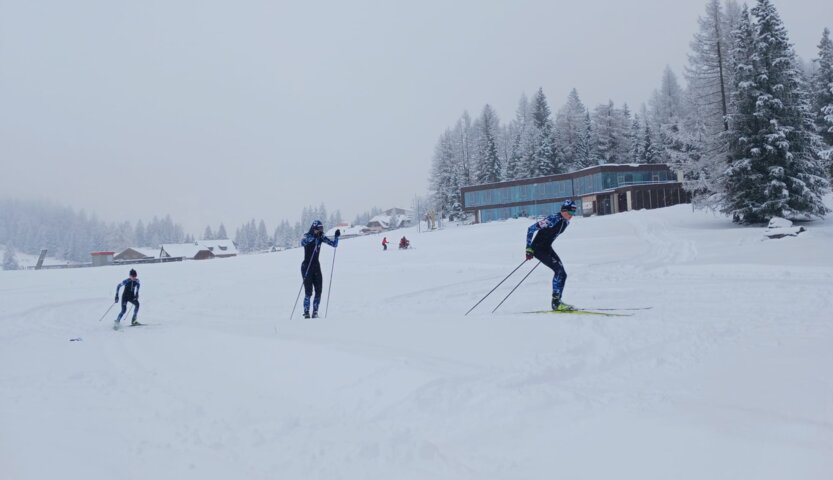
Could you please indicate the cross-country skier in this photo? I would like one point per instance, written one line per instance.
(548, 229)
(131, 294)
(385, 243)
(310, 268)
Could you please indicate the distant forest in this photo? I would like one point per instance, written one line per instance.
(29, 226)
(751, 130)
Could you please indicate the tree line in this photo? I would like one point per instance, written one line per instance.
(254, 236)
(751, 130)
(29, 226)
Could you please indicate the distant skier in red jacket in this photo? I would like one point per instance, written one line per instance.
(385, 243)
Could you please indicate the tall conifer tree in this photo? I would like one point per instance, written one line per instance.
(822, 96)
(544, 160)
(774, 168)
(488, 162)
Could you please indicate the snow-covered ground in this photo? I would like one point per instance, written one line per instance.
(728, 376)
(25, 260)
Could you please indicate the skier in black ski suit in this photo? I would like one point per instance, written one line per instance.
(541, 248)
(310, 268)
(131, 294)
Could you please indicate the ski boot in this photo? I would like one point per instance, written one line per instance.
(306, 313)
(559, 306)
(134, 322)
(116, 324)
(315, 314)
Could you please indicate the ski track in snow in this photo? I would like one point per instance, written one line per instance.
(727, 376)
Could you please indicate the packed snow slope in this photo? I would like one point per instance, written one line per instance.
(728, 376)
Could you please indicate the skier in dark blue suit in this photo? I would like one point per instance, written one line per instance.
(131, 294)
(548, 229)
(310, 268)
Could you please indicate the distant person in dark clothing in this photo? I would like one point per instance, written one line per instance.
(131, 294)
(310, 268)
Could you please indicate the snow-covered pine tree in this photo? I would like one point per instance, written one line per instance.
(221, 233)
(740, 187)
(208, 234)
(464, 150)
(635, 139)
(774, 168)
(696, 151)
(139, 233)
(585, 148)
(334, 219)
(262, 237)
(624, 122)
(10, 258)
(649, 152)
(521, 133)
(544, 158)
(283, 234)
(121, 236)
(487, 160)
(444, 183)
(666, 104)
(609, 132)
(569, 126)
(241, 239)
(666, 109)
(321, 214)
(822, 97)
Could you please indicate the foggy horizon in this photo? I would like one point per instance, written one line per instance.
(217, 113)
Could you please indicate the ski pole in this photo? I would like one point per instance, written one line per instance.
(302, 282)
(108, 311)
(492, 290)
(330, 286)
(516, 286)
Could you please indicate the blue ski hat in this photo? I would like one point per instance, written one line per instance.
(316, 225)
(569, 206)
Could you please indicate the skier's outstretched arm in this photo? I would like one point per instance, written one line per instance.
(332, 243)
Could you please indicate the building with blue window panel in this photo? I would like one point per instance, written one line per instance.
(599, 190)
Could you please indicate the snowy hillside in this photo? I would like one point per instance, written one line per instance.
(26, 260)
(728, 376)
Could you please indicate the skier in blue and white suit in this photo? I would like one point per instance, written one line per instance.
(310, 268)
(131, 294)
(548, 229)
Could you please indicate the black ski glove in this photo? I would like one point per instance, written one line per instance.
(338, 232)
(117, 299)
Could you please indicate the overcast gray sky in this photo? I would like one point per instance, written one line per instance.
(224, 111)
